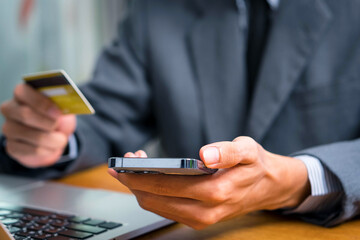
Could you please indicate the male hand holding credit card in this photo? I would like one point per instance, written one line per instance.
(40, 118)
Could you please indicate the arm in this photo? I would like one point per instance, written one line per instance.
(342, 160)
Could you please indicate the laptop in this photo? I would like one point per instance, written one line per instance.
(35, 209)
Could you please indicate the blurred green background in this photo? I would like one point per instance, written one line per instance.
(39, 35)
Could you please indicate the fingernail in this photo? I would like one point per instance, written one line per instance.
(211, 155)
(54, 112)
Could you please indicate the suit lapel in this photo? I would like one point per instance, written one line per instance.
(297, 29)
(217, 45)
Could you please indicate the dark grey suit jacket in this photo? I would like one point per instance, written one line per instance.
(177, 71)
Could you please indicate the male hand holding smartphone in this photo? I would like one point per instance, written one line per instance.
(249, 179)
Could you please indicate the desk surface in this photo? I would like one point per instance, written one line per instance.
(253, 226)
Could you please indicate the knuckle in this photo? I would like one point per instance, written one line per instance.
(206, 219)
(41, 122)
(251, 142)
(4, 108)
(57, 141)
(25, 113)
(44, 104)
(38, 151)
(238, 139)
(49, 139)
(220, 192)
(62, 140)
(40, 138)
(245, 139)
(248, 147)
(19, 91)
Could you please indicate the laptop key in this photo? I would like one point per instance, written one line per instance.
(20, 238)
(52, 230)
(59, 223)
(75, 234)
(26, 233)
(9, 221)
(42, 236)
(36, 227)
(13, 230)
(36, 212)
(44, 221)
(15, 215)
(22, 224)
(62, 216)
(4, 212)
(78, 219)
(60, 238)
(94, 222)
(86, 228)
(29, 218)
(110, 225)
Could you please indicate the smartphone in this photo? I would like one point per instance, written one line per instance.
(177, 166)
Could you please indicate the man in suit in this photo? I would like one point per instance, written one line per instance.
(283, 76)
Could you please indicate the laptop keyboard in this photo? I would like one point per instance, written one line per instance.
(32, 224)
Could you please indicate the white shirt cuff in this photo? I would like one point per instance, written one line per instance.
(73, 150)
(325, 187)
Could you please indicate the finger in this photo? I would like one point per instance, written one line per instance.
(129, 154)
(112, 172)
(141, 154)
(25, 94)
(212, 188)
(66, 124)
(187, 221)
(242, 150)
(149, 206)
(31, 156)
(25, 115)
(37, 138)
(191, 212)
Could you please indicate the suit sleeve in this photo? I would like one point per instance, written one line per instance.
(121, 96)
(343, 160)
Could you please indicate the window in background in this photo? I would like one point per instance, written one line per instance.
(39, 35)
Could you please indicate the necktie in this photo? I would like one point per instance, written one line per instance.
(259, 24)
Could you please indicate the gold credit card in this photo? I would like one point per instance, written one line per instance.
(59, 87)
